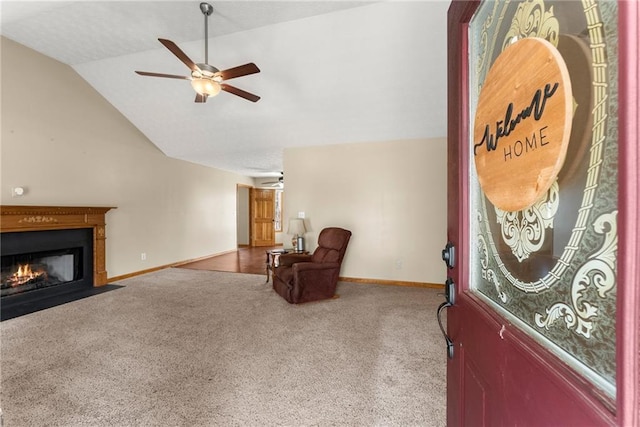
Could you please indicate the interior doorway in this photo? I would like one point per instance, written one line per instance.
(244, 215)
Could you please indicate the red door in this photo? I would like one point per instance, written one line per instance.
(546, 312)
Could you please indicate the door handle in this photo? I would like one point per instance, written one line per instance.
(449, 255)
(450, 294)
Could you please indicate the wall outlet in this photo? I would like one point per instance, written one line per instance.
(399, 264)
(143, 256)
(300, 214)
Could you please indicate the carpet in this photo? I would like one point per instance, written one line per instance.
(182, 347)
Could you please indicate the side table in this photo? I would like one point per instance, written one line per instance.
(273, 257)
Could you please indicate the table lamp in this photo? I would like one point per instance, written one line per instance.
(297, 228)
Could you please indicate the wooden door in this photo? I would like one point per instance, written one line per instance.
(262, 217)
(545, 316)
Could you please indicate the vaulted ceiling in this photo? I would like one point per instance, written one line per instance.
(331, 71)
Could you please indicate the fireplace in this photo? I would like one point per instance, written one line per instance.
(49, 251)
(39, 261)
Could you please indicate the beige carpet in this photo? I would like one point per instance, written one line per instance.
(185, 347)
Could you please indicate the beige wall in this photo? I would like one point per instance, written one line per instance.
(391, 195)
(68, 146)
(243, 216)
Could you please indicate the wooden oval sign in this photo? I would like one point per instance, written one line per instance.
(522, 124)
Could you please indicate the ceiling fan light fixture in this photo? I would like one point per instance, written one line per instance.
(205, 86)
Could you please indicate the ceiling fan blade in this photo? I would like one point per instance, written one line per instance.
(180, 54)
(241, 93)
(201, 98)
(169, 76)
(239, 71)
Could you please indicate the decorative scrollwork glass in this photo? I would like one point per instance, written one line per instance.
(551, 268)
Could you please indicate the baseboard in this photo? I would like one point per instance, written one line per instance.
(137, 273)
(392, 282)
(162, 267)
(343, 279)
(179, 263)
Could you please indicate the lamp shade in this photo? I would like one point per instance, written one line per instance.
(205, 86)
(296, 226)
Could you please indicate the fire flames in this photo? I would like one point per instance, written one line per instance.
(24, 275)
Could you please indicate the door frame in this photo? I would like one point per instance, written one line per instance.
(627, 402)
(628, 315)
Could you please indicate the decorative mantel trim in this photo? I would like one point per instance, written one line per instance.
(36, 218)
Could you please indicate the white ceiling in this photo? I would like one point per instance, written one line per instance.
(331, 71)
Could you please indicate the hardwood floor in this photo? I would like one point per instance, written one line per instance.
(244, 260)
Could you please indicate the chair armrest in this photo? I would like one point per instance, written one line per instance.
(313, 271)
(301, 267)
(287, 260)
(314, 280)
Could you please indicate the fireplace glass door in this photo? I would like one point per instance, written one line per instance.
(48, 262)
(37, 270)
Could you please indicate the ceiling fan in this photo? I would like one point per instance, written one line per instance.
(277, 183)
(206, 79)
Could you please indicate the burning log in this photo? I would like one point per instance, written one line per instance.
(25, 278)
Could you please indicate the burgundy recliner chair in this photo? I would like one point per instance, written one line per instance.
(303, 278)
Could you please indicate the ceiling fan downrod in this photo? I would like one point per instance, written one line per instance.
(207, 10)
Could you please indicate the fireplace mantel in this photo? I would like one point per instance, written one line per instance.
(35, 218)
